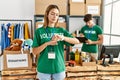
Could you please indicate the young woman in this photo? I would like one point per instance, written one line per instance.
(49, 43)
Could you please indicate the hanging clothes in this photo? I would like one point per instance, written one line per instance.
(16, 30)
(21, 33)
(9, 32)
(0, 40)
(3, 37)
(26, 35)
(0, 34)
(12, 32)
(7, 38)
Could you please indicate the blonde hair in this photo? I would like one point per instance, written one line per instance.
(50, 7)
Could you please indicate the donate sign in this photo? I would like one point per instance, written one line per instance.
(17, 60)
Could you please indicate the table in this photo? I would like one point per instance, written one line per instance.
(18, 74)
(111, 72)
(98, 72)
(81, 73)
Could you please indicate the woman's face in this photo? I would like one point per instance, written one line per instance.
(53, 15)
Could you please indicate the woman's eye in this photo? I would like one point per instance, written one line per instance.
(52, 14)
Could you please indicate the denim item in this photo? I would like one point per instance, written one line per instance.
(56, 76)
(16, 31)
(0, 34)
(3, 37)
(0, 38)
(21, 33)
(7, 38)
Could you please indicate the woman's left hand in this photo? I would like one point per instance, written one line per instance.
(57, 37)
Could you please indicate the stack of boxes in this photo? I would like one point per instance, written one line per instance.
(82, 7)
(77, 7)
(93, 7)
(41, 5)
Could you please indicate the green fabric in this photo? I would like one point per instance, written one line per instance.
(92, 34)
(44, 64)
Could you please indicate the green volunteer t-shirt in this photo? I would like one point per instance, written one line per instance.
(45, 65)
(92, 34)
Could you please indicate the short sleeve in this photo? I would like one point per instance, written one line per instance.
(36, 39)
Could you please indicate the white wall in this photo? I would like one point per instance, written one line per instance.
(17, 9)
(75, 24)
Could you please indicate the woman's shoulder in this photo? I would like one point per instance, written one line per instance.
(60, 28)
(39, 29)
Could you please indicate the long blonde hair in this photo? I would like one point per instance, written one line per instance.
(46, 21)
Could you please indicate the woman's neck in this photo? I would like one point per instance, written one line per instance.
(51, 25)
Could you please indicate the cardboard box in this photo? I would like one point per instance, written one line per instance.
(60, 24)
(41, 5)
(88, 63)
(93, 1)
(76, 1)
(91, 63)
(77, 9)
(93, 9)
(13, 60)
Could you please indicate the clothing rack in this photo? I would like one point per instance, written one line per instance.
(22, 21)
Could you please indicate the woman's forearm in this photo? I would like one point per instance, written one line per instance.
(71, 40)
(38, 50)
